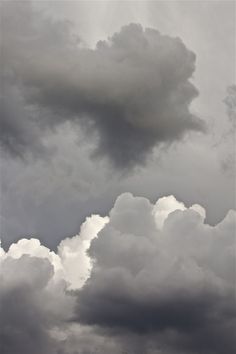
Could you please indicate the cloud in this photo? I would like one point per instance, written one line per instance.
(150, 278)
(30, 305)
(73, 251)
(25, 34)
(36, 305)
(132, 92)
(18, 129)
(171, 278)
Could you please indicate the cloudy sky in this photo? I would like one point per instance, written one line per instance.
(118, 196)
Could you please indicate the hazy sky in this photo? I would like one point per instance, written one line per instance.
(134, 100)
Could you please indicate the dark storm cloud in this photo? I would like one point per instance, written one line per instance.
(175, 283)
(19, 133)
(132, 91)
(31, 305)
(162, 281)
(23, 325)
(202, 323)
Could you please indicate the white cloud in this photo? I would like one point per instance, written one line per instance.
(73, 251)
(163, 207)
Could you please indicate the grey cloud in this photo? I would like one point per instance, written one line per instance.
(163, 281)
(175, 283)
(18, 128)
(51, 198)
(23, 324)
(24, 34)
(132, 91)
(30, 306)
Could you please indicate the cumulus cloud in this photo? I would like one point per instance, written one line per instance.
(73, 252)
(133, 91)
(31, 304)
(147, 279)
(36, 305)
(171, 279)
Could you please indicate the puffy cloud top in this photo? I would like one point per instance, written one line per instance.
(147, 279)
(161, 271)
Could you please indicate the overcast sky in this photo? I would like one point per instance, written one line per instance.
(50, 193)
(106, 108)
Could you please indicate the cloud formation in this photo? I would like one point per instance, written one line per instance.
(35, 297)
(156, 279)
(174, 280)
(26, 316)
(132, 92)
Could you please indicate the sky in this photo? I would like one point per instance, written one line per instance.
(117, 172)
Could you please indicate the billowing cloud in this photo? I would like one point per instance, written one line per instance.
(147, 279)
(31, 305)
(132, 92)
(36, 304)
(172, 278)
